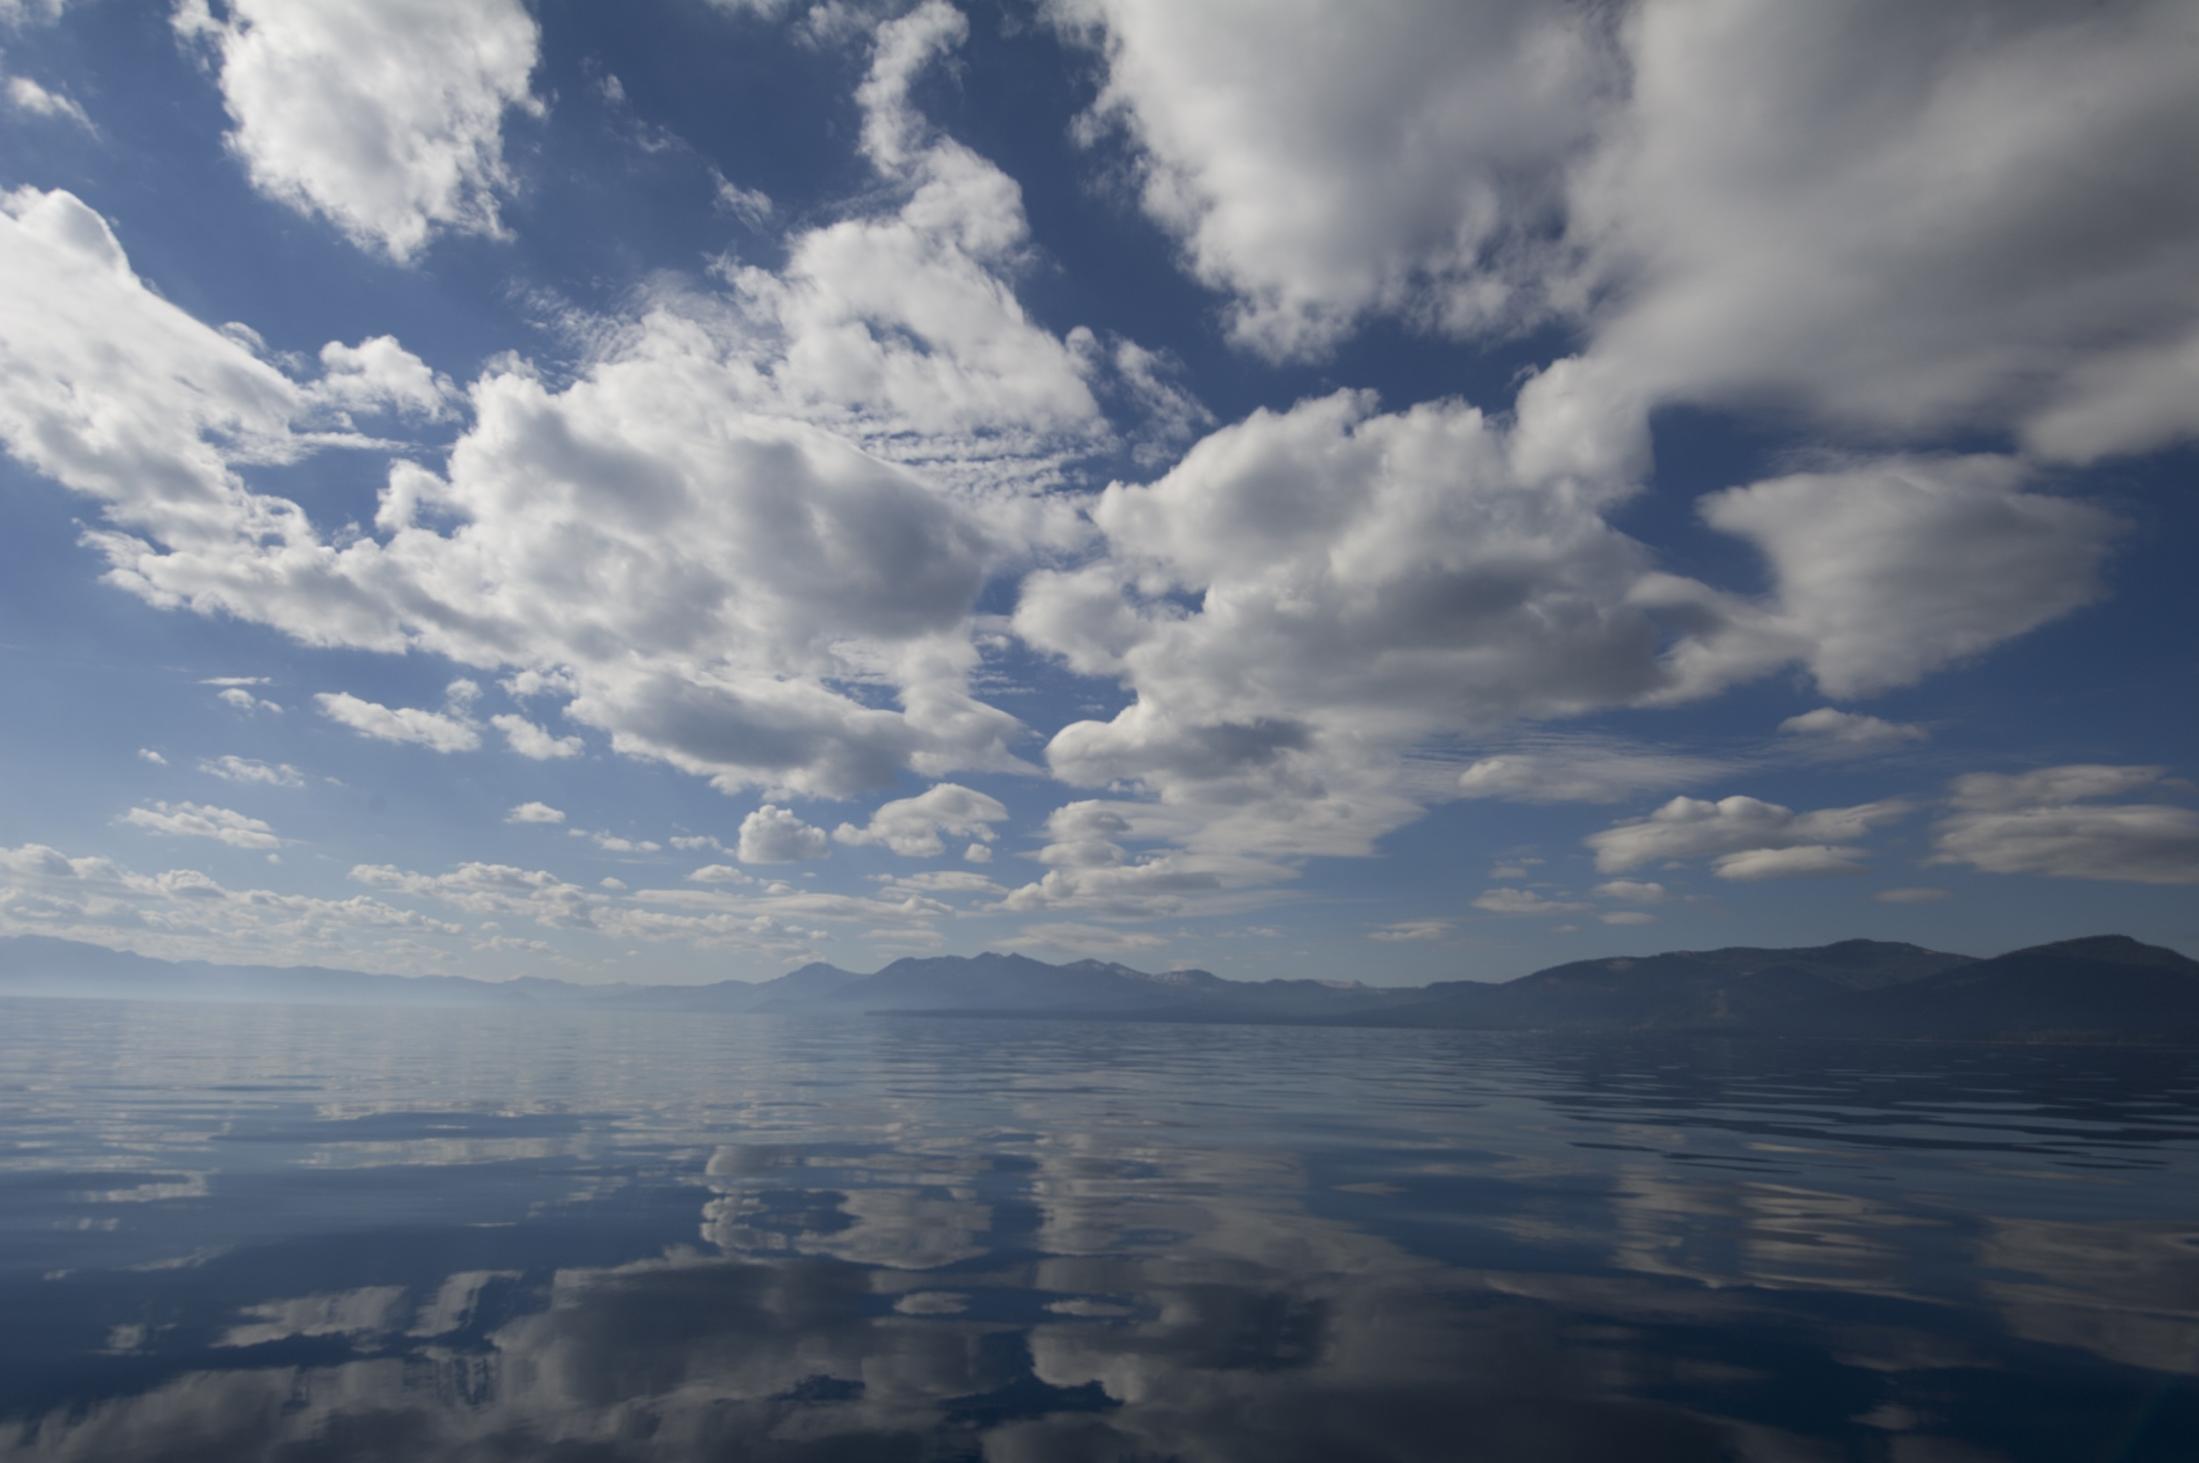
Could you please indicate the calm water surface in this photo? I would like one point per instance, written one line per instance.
(285, 1233)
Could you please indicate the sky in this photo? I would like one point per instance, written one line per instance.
(1395, 491)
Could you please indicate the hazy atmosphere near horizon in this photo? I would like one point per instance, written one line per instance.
(670, 492)
(1099, 731)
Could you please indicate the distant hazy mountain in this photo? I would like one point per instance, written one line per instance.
(33, 965)
(2105, 989)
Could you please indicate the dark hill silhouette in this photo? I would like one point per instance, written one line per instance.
(1738, 987)
(2106, 987)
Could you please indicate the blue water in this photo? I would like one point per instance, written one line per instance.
(289, 1233)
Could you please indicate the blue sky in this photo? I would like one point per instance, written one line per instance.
(1395, 492)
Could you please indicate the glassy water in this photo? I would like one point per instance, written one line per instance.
(284, 1233)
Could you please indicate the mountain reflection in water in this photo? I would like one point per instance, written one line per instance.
(333, 1234)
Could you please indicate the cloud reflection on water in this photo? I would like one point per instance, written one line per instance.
(929, 1240)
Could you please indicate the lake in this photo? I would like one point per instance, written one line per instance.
(240, 1233)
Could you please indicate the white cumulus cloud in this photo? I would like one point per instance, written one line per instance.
(774, 835)
(915, 826)
(717, 480)
(379, 374)
(385, 119)
(1322, 164)
(1910, 232)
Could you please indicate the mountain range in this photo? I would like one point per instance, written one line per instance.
(2107, 988)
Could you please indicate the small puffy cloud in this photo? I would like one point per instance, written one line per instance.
(695, 842)
(28, 96)
(1805, 861)
(1631, 891)
(1628, 917)
(233, 680)
(380, 375)
(250, 770)
(535, 813)
(147, 754)
(1695, 828)
(977, 853)
(616, 842)
(430, 729)
(1413, 931)
(773, 835)
(2052, 822)
(914, 826)
(385, 119)
(531, 741)
(202, 820)
(1523, 901)
(1911, 894)
(244, 701)
(720, 874)
(1829, 732)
